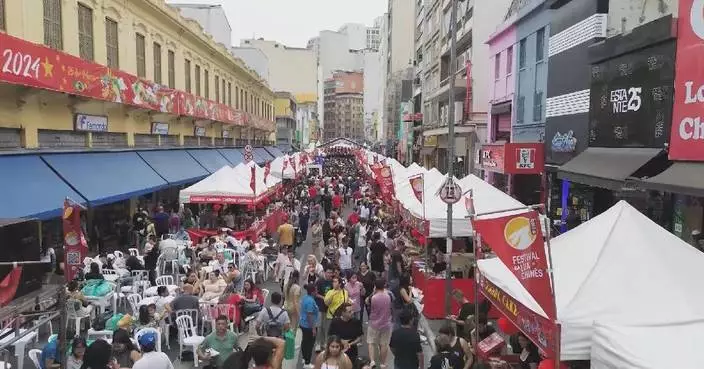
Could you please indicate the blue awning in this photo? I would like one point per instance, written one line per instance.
(286, 148)
(274, 151)
(30, 189)
(103, 178)
(175, 166)
(261, 156)
(210, 159)
(234, 156)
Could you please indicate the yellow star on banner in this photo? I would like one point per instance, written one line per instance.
(48, 68)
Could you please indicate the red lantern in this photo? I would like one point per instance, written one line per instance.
(507, 326)
(550, 364)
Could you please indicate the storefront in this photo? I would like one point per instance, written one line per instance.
(427, 152)
(518, 169)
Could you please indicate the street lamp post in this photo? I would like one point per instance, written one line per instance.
(451, 149)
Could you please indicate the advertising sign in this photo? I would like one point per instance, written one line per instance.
(160, 128)
(492, 158)
(513, 158)
(91, 123)
(687, 135)
(75, 245)
(199, 131)
(631, 98)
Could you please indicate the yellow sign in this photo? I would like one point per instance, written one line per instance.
(430, 141)
(518, 233)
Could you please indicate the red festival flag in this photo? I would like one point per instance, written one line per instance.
(252, 180)
(292, 160)
(469, 203)
(518, 241)
(418, 184)
(267, 170)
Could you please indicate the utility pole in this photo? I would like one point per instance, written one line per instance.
(451, 149)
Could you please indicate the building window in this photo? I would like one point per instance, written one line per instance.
(237, 97)
(85, 32)
(171, 68)
(538, 106)
(246, 103)
(217, 88)
(141, 56)
(187, 70)
(53, 30)
(540, 45)
(206, 84)
(497, 66)
(223, 91)
(112, 44)
(520, 109)
(229, 94)
(2, 15)
(198, 80)
(509, 60)
(522, 54)
(157, 63)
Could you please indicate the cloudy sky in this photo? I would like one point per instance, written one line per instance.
(293, 22)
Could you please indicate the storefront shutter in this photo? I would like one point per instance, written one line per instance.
(109, 139)
(146, 140)
(10, 138)
(169, 140)
(62, 139)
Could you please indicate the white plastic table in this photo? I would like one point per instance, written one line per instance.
(103, 302)
(19, 345)
(152, 291)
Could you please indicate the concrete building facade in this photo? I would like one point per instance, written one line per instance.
(307, 119)
(373, 97)
(211, 17)
(344, 106)
(290, 69)
(285, 109)
(255, 59)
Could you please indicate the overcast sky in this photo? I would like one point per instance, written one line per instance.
(293, 22)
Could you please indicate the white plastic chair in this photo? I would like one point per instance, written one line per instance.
(133, 251)
(165, 280)
(77, 315)
(134, 300)
(45, 305)
(187, 336)
(34, 355)
(142, 331)
(92, 334)
(118, 254)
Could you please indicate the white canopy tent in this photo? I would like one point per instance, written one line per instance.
(225, 183)
(277, 168)
(622, 268)
(244, 171)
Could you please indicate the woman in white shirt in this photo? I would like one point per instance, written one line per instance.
(214, 286)
(345, 259)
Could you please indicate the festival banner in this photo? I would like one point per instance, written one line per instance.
(292, 160)
(540, 330)
(518, 241)
(267, 170)
(469, 202)
(252, 180)
(75, 245)
(386, 182)
(418, 184)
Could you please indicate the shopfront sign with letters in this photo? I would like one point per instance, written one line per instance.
(492, 158)
(513, 158)
(563, 142)
(225, 133)
(91, 123)
(159, 128)
(687, 134)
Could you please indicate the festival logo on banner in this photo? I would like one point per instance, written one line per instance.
(417, 184)
(518, 241)
(687, 135)
(75, 245)
(386, 182)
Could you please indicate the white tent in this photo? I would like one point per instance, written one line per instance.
(277, 168)
(225, 185)
(619, 267)
(244, 172)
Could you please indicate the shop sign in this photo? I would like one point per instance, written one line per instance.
(631, 98)
(199, 131)
(687, 134)
(564, 142)
(430, 141)
(492, 158)
(513, 158)
(225, 133)
(159, 128)
(91, 123)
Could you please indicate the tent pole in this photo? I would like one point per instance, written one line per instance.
(546, 221)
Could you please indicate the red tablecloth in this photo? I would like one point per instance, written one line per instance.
(270, 224)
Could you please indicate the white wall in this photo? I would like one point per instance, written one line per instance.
(290, 69)
(356, 35)
(488, 16)
(211, 17)
(402, 28)
(255, 59)
(373, 82)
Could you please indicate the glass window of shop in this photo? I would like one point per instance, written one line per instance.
(655, 205)
(687, 216)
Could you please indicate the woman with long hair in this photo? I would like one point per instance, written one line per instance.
(292, 297)
(146, 319)
(214, 286)
(123, 349)
(99, 356)
(333, 356)
(312, 270)
(355, 290)
(78, 349)
(252, 299)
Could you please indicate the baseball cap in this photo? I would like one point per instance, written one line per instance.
(147, 339)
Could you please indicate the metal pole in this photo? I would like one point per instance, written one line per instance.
(451, 149)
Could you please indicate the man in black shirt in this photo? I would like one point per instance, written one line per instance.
(405, 344)
(466, 310)
(349, 329)
(322, 286)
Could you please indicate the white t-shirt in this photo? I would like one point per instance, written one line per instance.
(288, 267)
(153, 360)
(345, 257)
(362, 238)
(364, 212)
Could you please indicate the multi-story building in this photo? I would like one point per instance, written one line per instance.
(344, 106)
(476, 20)
(307, 119)
(211, 17)
(255, 59)
(373, 97)
(285, 112)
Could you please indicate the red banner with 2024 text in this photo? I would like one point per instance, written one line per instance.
(518, 241)
(29, 64)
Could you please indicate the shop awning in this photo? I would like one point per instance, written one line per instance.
(103, 178)
(210, 159)
(274, 151)
(234, 156)
(261, 156)
(175, 166)
(606, 167)
(285, 148)
(30, 189)
(682, 177)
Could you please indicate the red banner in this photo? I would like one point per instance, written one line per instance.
(687, 135)
(29, 64)
(540, 330)
(75, 245)
(518, 241)
(9, 285)
(267, 170)
(418, 185)
(386, 182)
(252, 180)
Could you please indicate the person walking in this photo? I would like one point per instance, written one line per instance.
(310, 315)
(349, 329)
(292, 299)
(405, 344)
(380, 322)
(334, 298)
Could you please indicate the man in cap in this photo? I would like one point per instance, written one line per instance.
(151, 358)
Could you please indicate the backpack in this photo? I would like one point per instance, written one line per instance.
(273, 327)
(101, 320)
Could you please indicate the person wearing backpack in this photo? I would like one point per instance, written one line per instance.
(273, 320)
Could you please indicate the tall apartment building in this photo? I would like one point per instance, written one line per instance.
(285, 112)
(476, 20)
(344, 106)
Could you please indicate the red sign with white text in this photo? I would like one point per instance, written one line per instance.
(386, 182)
(687, 135)
(75, 245)
(513, 158)
(518, 241)
(29, 64)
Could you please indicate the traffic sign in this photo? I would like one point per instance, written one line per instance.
(248, 157)
(450, 192)
(248, 149)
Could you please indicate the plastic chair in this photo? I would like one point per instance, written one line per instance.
(34, 355)
(165, 280)
(140, 281)
(133, 251)
(118, 254)
(76, 313)
(92, 334)
(208, 312)
(134, 300)
(142, 331)
(187, 336)
(45, 305)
